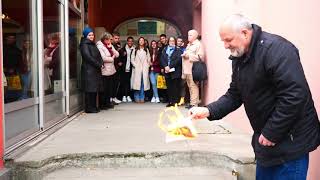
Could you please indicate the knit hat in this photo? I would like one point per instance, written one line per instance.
(86, 31)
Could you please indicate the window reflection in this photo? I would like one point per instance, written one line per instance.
(76, 4)
(18, 65)
(74, 53)
(51, 62)
(12, 64)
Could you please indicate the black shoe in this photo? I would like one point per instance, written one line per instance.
(92, 111)
(109, 106)
(114, 103)
(169, 105)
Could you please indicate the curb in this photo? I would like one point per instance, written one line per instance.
(36, 170)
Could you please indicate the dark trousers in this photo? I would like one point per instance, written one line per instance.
(185, 91)
(116, 84)
(125, 83)
(174, 89)
(295, 169)
(108, 83)
(90, 101)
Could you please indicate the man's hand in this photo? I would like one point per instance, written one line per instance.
(167, 69)
(265, 142)
(199, 112)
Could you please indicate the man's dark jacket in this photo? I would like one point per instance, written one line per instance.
(270, 82)
(123, 54)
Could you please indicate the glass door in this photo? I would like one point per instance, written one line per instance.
(75, 33)
(20, 69)
(53, 62)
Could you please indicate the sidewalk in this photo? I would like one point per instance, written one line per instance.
(128, 137)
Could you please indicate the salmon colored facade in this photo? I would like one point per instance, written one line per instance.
(298, 21)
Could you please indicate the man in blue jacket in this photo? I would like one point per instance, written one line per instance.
(268, 78)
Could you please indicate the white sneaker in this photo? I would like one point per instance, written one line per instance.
(124, 99)
(157, 100)
(129, 99)
(116, 100)
(153, 100)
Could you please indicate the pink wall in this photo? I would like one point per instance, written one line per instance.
(197, 15)
(296, 20)
(219, 68)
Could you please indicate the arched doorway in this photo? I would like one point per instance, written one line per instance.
(148, 27)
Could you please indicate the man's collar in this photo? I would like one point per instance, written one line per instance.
(196, 41)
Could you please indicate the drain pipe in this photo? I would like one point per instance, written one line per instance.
(236, 174)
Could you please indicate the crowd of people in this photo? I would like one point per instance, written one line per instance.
(113, 73)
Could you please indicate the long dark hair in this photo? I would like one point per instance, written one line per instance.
(144, 45)
(175, 40)
(151, 49)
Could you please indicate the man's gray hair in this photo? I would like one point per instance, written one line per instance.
(194, 31)
(238, 22)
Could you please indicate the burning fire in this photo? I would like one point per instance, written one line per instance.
(175, 125)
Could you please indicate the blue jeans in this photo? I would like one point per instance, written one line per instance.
(26, 79)
(291, 170)
(139, 95)
(153, 79)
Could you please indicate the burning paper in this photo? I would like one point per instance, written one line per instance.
(176, 126)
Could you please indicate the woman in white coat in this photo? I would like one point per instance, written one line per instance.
(140, 60)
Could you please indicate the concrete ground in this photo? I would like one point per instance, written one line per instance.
(191, 173)
(126, 143)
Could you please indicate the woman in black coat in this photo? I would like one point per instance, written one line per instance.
(90, 70)
(171, 61)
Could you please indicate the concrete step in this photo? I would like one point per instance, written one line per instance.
(186, 173)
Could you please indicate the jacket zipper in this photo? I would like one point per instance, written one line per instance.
(291, 137)
(238, 74)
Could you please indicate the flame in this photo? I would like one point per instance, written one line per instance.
(175, 125)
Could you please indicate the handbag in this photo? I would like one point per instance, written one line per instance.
(199, 70)
(14, 82)
(161, 82)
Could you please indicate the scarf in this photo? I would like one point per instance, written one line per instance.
(169, 52)
(110, 50)
(129, 50)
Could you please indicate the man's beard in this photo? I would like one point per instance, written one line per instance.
(237, 52)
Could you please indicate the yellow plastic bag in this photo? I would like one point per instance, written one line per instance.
(161, 82)
(14, 82)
